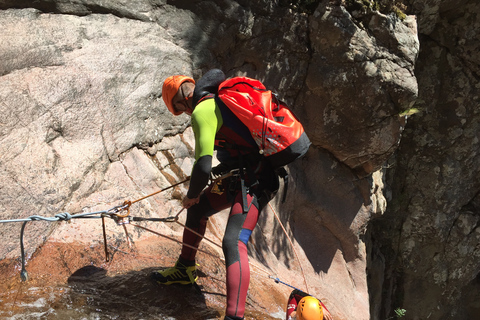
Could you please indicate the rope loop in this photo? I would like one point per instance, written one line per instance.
(64, 216)
(126, 206)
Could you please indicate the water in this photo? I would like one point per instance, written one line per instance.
(73, 282)
(91, 295)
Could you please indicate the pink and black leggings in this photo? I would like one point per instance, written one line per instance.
(237, 233)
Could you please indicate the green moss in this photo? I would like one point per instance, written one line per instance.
(401, 15)
(409, 112)
(399, 313)
(364, 6)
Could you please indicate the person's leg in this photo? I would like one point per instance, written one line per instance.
(239, 228)
(291, 305)
(184, 271)
(197, 218)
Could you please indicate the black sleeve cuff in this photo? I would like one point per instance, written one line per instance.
(200, 175)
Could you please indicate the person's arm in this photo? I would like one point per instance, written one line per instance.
(199, 177)
(295, 297)
(291, 307)
(205, 123)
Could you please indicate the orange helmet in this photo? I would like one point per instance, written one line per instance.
(170, 88)
(309, 308)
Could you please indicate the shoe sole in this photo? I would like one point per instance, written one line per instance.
(172, 282)
(183, 283)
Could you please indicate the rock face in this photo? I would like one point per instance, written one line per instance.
(430, 234)
(372, 57)
(84, 128)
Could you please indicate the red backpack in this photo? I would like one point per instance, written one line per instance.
(276, 130)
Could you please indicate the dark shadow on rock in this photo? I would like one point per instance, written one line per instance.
(135, 295)
(87, 274)
(334, 220)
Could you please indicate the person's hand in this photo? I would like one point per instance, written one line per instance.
(187, 202)
(218, 171)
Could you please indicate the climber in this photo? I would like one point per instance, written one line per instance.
(302, 306)
(213, 122)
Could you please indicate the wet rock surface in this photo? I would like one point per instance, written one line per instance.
(68, 281)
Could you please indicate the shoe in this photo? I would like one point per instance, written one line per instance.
(179, 274)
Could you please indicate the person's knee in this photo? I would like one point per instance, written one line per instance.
(231, 238)
(230, 244)
(194, 218)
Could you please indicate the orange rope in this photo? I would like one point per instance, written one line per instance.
(291, 244)
(156, 192)
(176, 217)
(198, 234)
(173, 239)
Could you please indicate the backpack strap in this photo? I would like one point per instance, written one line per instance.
(246, 170)
(245, 206)
(206, 97)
